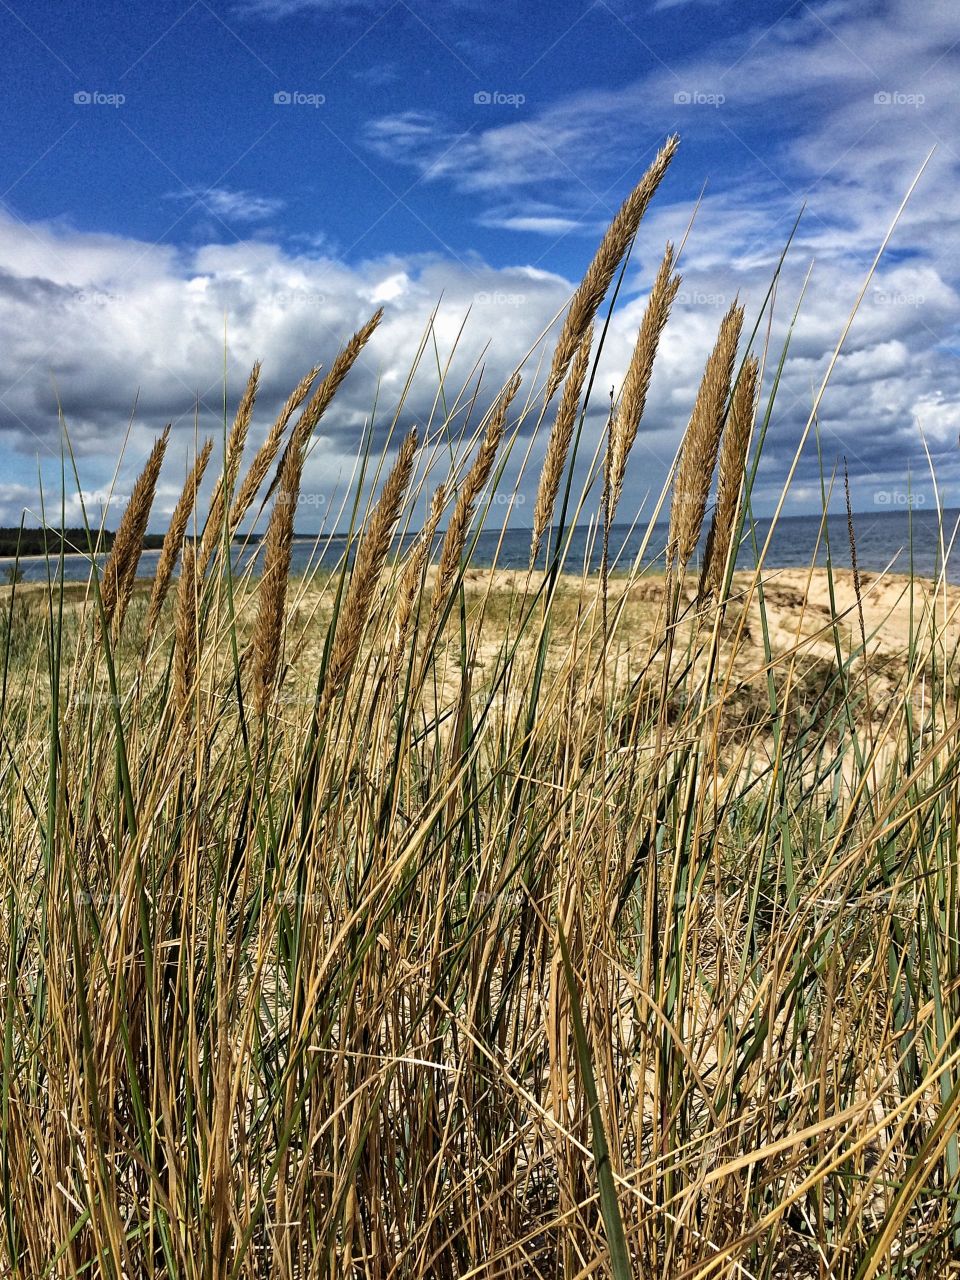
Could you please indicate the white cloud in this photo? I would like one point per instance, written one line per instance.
(231, 206)
(103, 318)
(541, 224)
(100, 322)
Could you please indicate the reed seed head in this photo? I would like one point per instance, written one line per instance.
(558, 446)
(173, 539)
(592, 289)
(730, 475)
(368, 566)
(120, 569)
(701, 442)
(636, 384)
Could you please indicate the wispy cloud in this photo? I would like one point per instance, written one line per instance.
(290, 8)
(232, 206)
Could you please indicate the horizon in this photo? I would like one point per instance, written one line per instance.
(834, 513)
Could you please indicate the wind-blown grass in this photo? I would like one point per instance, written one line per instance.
(423, 921)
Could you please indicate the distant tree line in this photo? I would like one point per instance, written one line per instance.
(43, 542)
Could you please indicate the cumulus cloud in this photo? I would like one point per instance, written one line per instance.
(94, 326)
(97, 324)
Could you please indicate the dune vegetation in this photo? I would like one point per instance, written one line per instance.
(417, 919)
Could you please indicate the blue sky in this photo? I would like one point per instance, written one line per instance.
(282, 166)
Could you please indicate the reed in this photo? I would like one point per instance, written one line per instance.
(173, 538)
(327, 388)
(368, 567)
(272, 592)
(120, 569)
(594, 285)
(701, 443)
(185, 643)
(213, 528)
(636, 384)
(558, 445)
(455, 538)
(730, 478)
(266, 455)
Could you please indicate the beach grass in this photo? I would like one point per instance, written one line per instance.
(419, 919)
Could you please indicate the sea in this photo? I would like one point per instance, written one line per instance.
(899, 541)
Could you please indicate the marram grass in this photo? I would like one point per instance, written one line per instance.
(419, 920)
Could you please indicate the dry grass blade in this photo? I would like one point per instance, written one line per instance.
(473, 482)
(185, 641)
(701, 443)
(368, 566)
(173, 539)
(733, 460)
(408, 591)
(326, 390)
(120, 569)
(596, 282)
(272, 590)
(213, 528)
(558, 446)
(265, 456)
